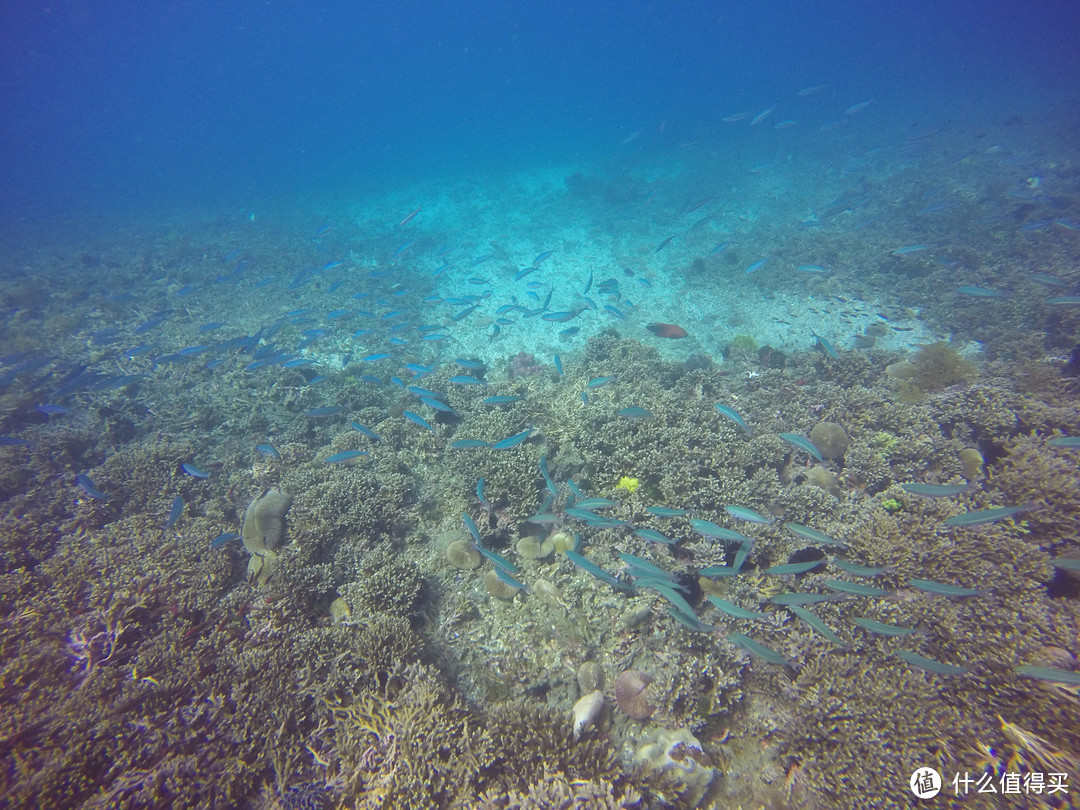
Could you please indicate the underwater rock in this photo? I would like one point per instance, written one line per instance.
(586, 710)
(830, 439)
(679, 754)
(548, 592)
(497, 588)
(264, 521)
(630, 694)
(462, 555)
(636, 616)
(590, 677)
(532, 549)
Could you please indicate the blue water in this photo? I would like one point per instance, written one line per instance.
(129, 104)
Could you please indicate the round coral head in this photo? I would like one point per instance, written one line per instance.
(630, 694)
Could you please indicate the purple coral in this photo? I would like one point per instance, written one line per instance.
(524, 365)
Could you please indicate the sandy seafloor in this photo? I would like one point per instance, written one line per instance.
(370, 656)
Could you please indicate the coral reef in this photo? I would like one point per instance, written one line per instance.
(386, 662)
(524, 365)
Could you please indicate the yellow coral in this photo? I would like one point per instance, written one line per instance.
(629, 484)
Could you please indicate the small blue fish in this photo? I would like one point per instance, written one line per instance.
(326, 410)
(760, 650)
(653, 536)
(268, 450)
(592, 504)
(500, 561)
(614, 311)
(813, 535)
(596, 382)
(588, 565)
(558, 365)
(418, 419)
(975, 291)
(175, 512)
(859, 570)
(466, 379)
(941, 588)
(635, 413)
(979, 517)
(749, 515)
(802, 443)
(13, 441)
(89, 487)
(512, 441)
(755, 266)
(374, 358)
(437, 405)
(470, 524)
(716, 251)
(561, 316)
(465, 444)
(52, 410)
(466, 363)
(710, 529)
(734, 610)
(731, 414)
(907, 250)
(547, 476)
(505, 576)
(935, 490)
(543, 519)
(224, 539)
(501, 399)
(827, 347)
(929, 664)
(854, 588)
(363, 431)
(345, 455)
(882, 629)
(484, 502)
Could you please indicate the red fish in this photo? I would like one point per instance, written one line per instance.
(667, 330)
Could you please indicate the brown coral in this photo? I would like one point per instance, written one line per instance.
(630, 694)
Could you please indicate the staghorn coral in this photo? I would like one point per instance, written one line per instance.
(417, 744)
(555, 790)
(385, 583)
(1032, 472)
